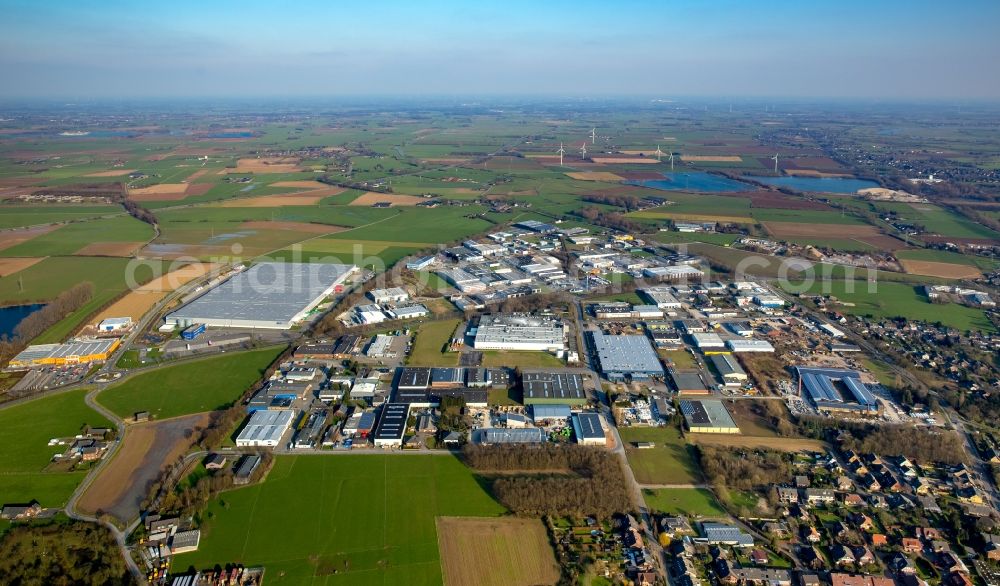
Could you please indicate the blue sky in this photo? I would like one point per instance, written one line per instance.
(803, 48)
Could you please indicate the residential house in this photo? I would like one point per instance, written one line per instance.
(819, 495)
(911, 545)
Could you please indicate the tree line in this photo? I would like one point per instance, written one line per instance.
(54, 311)
(553, 480)
(613, 220)
(916, 443)
(743, 469)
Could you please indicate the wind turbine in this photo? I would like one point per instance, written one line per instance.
(583, 150)
(775, 157)
(671, 160)
(561, 152)
(593, 136)
(658, 153)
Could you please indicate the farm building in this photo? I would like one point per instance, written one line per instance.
(708, 416)
(626, 357)
(265, 428)
(589, 429)
(72, 352)
(519, 332)
(837, 390)
(553, 388)
(392, 424)
(528, 435)
(749, 346)
(729, 369)
(271, 295)
(185, 541)
(245, 468)
(114, 324)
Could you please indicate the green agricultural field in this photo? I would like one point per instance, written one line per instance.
(803, 216)
(25, 431)
(684, 237)
(670, 462)
(360, 252)
(365, 520)
(69, 239)
(16, 216)
(696, 502)
(430, 341)
(941, 221)
(192, 387)
(888, 300)
(48, 278)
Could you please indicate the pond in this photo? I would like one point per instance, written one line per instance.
(694, 182)
(818, 184)
(13, 315)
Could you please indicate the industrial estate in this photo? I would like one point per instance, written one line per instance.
(435, 345)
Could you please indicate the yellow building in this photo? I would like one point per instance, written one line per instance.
(72, 352)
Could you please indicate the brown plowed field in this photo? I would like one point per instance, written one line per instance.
(396, 199)
(594, 176)
(9, 238)
(495, 552)
(266, 165)
(624, 160)
(136, 303)
(111, 173)
(9, 266)
(805, 230)
(147, 449)
(109, 249)
(946, 270)
(712, 158)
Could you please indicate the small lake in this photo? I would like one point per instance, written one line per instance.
(231, 135)
(11, 316)
(818, 184)
(694, 182)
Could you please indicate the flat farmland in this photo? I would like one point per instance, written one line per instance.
(25, 431)
(266, 165)
(595, 176)
(9, 266)
(46, 279)
(17, 216)
(370, 519)
(669, 462)
(71, 238)
(207, 384)
(148, 449)
(495, 552)
(806, 229)
(10, 238)
(944, 270)
(944, 256)
(371, 197)
(136, 303)
(111, 248)
(667, 214)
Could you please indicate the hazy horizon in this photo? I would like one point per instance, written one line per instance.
(893, 50)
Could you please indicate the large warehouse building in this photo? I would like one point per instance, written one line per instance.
(837, 390)
(265, 428)
(553, 388)
(626, 357)
(270, 295)
(519, 332)
(72, 352)
(708, 416)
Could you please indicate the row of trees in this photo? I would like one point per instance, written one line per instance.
(553, 480)
(138, 212)
(33, 325)
(629, 202)
(613, 220)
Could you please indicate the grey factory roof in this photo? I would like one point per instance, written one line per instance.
(553, 385)
(726, 534)
(726, 364)
(266, 426)
(527, 435)
(392, 425)
(709, 413)
(269, 294)
(550, 412)
(687, 381)
(626, 354)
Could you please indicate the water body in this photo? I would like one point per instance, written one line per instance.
(694, 182)
(818, 184)
(231, 135)
(11, 316)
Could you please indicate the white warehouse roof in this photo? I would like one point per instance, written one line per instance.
(265, 428)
